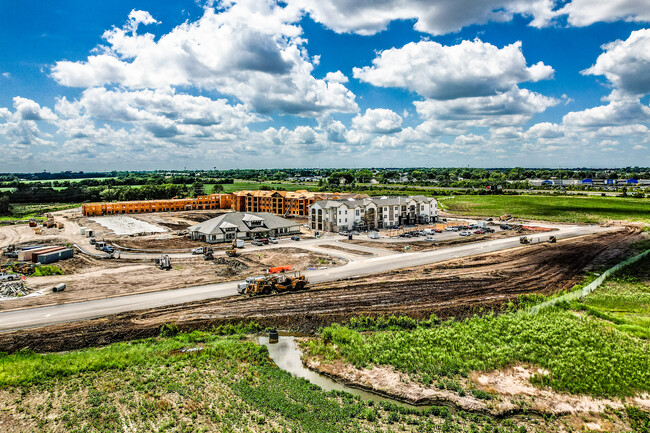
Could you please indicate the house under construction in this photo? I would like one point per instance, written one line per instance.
(285, 203)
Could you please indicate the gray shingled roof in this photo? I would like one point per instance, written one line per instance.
(388, 201)
(236, 219)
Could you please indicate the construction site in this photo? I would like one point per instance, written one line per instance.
(152, 250)
(130, 277)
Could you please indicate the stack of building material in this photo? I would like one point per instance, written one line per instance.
(13, 289)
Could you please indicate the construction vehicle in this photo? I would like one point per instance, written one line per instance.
(552, 239)
(231, 252)
(505, 217)
(32, 222)
(10, 251)
(524, 240)
(269, 284)
(208, 254)
(164, 262)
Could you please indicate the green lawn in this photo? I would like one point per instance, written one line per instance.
(551, 208)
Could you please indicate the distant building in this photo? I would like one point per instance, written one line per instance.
(372, 213)
(242, 225)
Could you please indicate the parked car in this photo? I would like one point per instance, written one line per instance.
(479, 232)
(8, 277)
(430, 239)
(265, 241)
(437, 230)
(449, 229)
(92, 241)
(197, 251)
(295, 238)
(488, 219)
(257, 242)
(465, 233)
(108, 249)
(355, 232)
(273, 240)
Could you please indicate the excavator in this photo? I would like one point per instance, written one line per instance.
(525, 240)
(208, 254)
(269, 284)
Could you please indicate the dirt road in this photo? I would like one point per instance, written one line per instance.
(452, 288)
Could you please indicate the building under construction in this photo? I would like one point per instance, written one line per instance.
(294, 203)
(203, 202)
(285, 203)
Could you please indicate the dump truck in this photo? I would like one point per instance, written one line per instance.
(505, 217)
(270, 284)
(524, 240)
(231, 252)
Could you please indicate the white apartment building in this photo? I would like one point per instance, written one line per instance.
(372, 213)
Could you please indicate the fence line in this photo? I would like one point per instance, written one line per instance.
(581, 293)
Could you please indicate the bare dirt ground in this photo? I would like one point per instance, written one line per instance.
(347, 250)
(511, 389)
(418, 244)
(457, 288)
(89, 278)
(166, 242)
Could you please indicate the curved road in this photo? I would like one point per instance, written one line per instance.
(19, 319)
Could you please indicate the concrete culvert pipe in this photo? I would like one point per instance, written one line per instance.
(59, 288)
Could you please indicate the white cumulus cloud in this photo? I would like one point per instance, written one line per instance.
(378, 121)
(469, 69)
(251, 50)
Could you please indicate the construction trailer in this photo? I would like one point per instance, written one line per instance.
(30, 255)
(55, 256)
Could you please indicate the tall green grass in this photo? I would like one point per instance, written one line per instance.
(582, 355)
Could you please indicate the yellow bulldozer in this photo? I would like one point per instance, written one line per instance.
(270, 284)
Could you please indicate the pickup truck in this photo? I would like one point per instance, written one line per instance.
(9, 277)
(257, 242)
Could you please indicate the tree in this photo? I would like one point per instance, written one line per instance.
(4, 205)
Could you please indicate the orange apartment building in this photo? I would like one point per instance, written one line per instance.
(203, 202)
(294, 203)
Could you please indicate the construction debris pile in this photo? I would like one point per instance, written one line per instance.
(229, 267)
(25, 268)
(13, 289)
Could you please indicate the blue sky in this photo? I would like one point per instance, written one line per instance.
(329, 83)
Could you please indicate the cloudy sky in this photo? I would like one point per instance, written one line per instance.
(323, 83)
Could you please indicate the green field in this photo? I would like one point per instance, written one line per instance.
(225, 383)
(244, 185)
(24, 211)
(624, 300)
(551, 208)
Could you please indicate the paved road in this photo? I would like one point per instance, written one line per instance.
(363, 266)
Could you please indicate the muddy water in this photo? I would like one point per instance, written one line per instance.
(286, 355)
